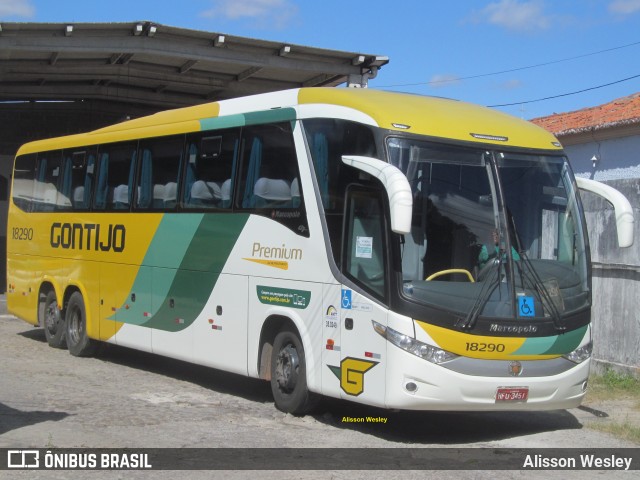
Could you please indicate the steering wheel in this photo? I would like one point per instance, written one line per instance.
(451, 270)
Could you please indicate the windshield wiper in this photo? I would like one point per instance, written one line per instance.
(488, 287)
(536, 283)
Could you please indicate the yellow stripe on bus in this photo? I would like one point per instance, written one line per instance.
(479, 346)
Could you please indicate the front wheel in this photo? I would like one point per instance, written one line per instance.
(289, 375)
(79, 344)
(53, 321)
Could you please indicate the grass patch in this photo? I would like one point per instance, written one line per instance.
(624, 390)
(613, 385)
(624, 431)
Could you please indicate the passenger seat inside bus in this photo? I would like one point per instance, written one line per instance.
(121, 197)
(225, 193)
(158, 195)
(272, 192)
(78, 197)
(205, 193)
(170, 198)
(295, 193)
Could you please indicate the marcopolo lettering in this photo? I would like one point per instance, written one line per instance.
(88, 236)
(517, 329)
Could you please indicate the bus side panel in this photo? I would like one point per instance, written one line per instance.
(175, 313)
(220, 332)
(135, 310)
(114, 290)
(23, 265)
(22, 300)
(331, 344)
(26, 294)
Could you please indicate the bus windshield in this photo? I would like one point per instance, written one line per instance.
(494, 234)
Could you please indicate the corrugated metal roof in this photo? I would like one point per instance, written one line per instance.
(63, 78)
(152, 64)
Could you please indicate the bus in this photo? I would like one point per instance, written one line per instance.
(396, 250)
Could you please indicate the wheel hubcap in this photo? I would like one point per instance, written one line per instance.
(52, 318)
(74, 327)
(287, 368)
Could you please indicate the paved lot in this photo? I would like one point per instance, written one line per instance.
(125, 398)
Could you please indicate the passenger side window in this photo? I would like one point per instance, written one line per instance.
(269, 180)
(116, 171)
(48, 176)
(23, 181)
(210, 167)
(77, 181)
(328, 140)
(270, 168)
(159, 173)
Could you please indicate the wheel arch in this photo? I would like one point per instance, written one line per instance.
(276, 322)
(92, 329)
(271, 326)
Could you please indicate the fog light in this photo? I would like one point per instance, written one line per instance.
(584, 386)
(411, 387)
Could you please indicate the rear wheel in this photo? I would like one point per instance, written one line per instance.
(53, 321)
(289, 375)
(79, 344)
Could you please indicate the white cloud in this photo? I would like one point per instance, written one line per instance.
(277, 13)
(444, 80)
(515, 15)
(624, 7)
(16, 8)
(511, 84)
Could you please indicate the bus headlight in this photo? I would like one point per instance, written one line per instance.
(579, 355)
(409, 344)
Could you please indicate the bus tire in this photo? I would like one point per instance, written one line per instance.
(289, 375)
(53, 321)
(79, 344)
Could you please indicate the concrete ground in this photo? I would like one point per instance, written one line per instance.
(125, 398)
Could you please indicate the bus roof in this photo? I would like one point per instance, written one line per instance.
(422, 115)
(436, 117)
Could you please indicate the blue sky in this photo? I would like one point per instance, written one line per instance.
(545, 48)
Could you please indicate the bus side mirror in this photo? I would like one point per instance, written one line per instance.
(395, 184)
(621, 206)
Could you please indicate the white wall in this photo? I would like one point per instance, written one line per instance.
(618, 158)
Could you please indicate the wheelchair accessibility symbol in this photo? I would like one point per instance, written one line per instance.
(526, 307)
(346, 299)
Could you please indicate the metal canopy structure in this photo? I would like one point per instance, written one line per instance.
(148, 64)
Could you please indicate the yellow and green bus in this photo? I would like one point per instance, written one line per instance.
(396, 250)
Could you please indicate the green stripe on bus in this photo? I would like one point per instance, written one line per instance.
(166, 251)
(554, 345)
(199, 271)
(215, 123)
(254, 118)
(567, 342)
(271, 116)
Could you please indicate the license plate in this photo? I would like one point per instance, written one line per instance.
(512, 394)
